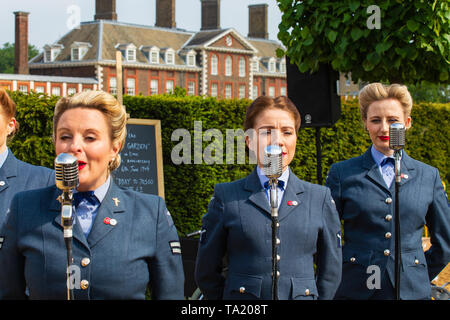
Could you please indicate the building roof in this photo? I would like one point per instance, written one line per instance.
(104, 37)
(37, 78)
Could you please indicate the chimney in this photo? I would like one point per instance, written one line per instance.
(21, 44)
(210, 14)
(105, 10)
(257, 21)
(165, 14)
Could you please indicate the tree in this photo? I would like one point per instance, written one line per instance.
(7, 56)
(393, 41)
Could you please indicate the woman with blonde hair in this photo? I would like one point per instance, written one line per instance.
(123, 240)
(363, 190)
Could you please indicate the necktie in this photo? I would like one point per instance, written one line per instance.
(280, 185)
(387, 170)
(86, 204)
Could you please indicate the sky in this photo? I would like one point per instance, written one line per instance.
(50, 20)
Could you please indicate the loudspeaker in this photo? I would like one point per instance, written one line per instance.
(315, 95)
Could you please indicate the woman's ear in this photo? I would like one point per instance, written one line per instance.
(408, 123)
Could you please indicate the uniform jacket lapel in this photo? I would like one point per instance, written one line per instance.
(293, 192)
(55, 206)
(407, 169)
(373, 173)
(258, 194)
(8, 170)
(111, 207)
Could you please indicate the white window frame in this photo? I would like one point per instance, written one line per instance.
(283, 91)
(171, 87)
(190, 58)
(242, 90)
(191, 88)
(131, 86)
(255, 91)
(154, 56)
(71, 91)
(228, 91)
(272, 91)
(272, 65)
(130, 54)
(214, 65)
(228, 66)
(113, 85)
(242, 67)
(214, 89)
(283, 65)
(56, 91)
(170, 57)
(154, 89)
(40, 89)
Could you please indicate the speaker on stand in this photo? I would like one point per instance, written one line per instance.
(317, 100)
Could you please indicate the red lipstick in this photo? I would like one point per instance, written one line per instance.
(81, 165)
(384, 138)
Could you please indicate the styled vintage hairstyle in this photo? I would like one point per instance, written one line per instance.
(8, 108)
(264, 102)
(377, 91)
(105, 103)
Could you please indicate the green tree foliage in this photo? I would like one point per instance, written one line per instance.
(7, 56)
(412, 43)
(189, 187)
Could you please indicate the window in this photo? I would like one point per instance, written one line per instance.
(255, 65)
(131, 54)
(228, 90)
(241, 67)
(272, 67)
(283, 91)
(131, 86)
(214, 90)
(191, 88)
(214, 63)
(23, 88)
(113, 85)
(272, 92)
(169, 86)
(228, 66)
(255, 92)
(71, 91)
(48, 55)
(283, 66)
(154, 56)
(39, 89)
(191, 60)
(51, 52)
(56, 91)
(241, 92)
(154, 86)
(170, 57)
(75, 54)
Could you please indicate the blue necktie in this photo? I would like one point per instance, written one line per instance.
(86, 204)
(280, 185)
(387, 170)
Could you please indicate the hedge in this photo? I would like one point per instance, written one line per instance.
(189, 187)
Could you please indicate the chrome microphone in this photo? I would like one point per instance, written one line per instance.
(396, 136)
(66, 172)
(397, 143)
(273, 162)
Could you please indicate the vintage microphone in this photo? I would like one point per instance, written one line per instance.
(272, 168)
(66, 169)
(397, 143)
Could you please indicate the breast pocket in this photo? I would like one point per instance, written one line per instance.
(304, 289)
(243, 287)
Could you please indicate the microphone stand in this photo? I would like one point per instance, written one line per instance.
(67, 221)
(275, 241)
(398, 179)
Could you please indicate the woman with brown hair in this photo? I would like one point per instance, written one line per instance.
(15, 175)
(238, 223)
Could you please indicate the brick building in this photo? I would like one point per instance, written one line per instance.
(212, 62)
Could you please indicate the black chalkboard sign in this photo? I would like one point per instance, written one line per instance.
(141, 168)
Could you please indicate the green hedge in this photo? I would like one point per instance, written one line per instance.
(188, 187)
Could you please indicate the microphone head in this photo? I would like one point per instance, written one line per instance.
(397, 136)
(66, 171)
(273, 161)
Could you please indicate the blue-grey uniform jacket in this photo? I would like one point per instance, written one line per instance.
(238, 225)
(367, 207)
(116, 261)
(16, 176)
